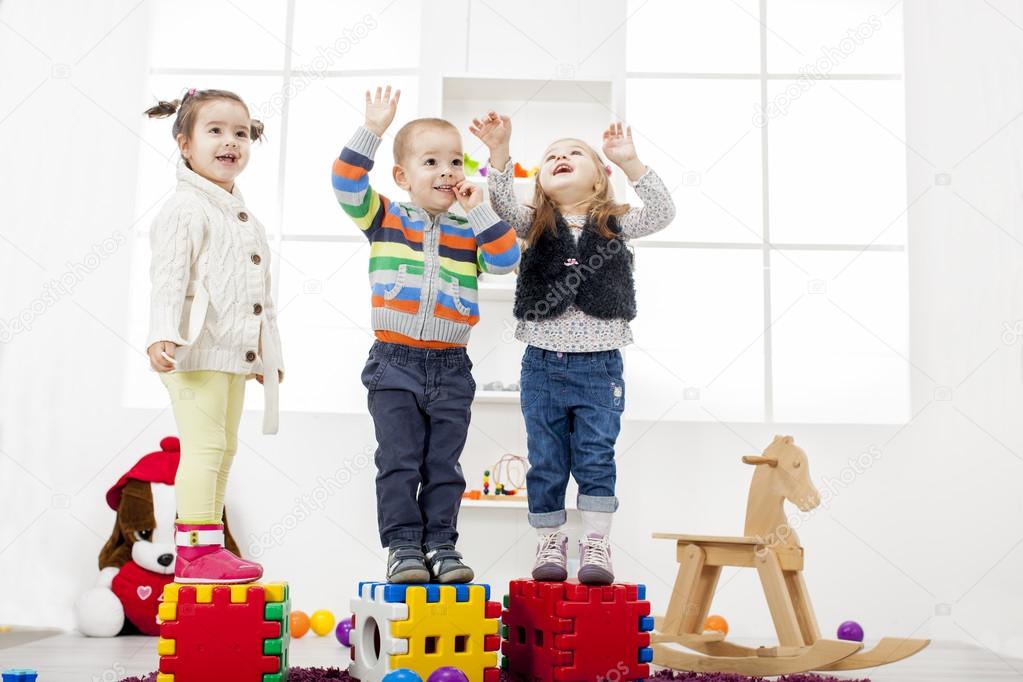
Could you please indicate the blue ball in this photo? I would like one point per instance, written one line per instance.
(402, 675)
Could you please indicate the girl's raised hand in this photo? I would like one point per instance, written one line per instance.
(494, 130)
(618, 146)
(619, 150)
(380, 109)
(469, 195)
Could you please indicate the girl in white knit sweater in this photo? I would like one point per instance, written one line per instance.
(213, 323)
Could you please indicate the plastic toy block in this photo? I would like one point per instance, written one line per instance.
(423, 628)
(20, 675)
(220, 632)
(568, 632)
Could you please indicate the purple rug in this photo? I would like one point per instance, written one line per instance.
(318, 674)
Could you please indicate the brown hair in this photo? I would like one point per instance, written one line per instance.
(403, 140)
(602, 204)
(187, 109)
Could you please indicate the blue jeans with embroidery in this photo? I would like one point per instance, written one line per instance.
(572, 404)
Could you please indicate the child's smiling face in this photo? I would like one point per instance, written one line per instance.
(569, 172)
(217, 147)
(431, 168)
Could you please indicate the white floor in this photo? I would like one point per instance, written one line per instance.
(72, 658)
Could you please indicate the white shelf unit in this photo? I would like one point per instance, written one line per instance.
(499, 397)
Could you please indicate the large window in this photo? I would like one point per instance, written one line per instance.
(780, 291)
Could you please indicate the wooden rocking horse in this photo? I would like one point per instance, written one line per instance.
(770, 546)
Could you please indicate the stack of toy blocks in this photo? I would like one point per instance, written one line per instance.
(568, 632)
(214, 633)
(422, 628)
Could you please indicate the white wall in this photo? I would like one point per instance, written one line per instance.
(935, 519)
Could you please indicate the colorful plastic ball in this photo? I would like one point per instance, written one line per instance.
(322, 622)
(447, 674)
(716, 624)
(850, 631)
(298, 621)
(343, 631)
(402, 675)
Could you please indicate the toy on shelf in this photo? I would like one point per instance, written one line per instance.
(486, 482)
(570, 632)
(224, 632)
(469, 164)
(770, 546)
(422, 628)
(519, 171)
(321, 622)
(511, 469)
(20, 675)
(483, 170)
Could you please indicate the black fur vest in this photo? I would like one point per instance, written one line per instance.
(595, 274)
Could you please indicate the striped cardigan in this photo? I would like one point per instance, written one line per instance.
(422, 269)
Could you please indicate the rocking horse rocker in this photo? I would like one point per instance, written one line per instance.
(771, 546)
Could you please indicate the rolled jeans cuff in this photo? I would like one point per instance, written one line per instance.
(548, 519)
(597, 504)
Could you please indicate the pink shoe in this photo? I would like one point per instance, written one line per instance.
(203, 559)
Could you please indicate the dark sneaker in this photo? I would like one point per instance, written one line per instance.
(446, 565)
(595, 560)
(551, 558)
(407, 565)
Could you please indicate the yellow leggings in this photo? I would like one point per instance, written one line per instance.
(207, 408)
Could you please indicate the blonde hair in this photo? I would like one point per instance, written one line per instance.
(403, 140)
(602, 205)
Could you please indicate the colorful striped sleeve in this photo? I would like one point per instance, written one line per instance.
(350, 178)
(497, 250)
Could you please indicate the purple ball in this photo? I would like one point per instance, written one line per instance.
(447, 674)
(850, 631)
(343, 631)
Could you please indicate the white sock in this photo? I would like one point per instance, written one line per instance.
(597, 522)
(541, 532)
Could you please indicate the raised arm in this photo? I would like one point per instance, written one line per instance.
(658, 208)
(350, 173)
(495, 131)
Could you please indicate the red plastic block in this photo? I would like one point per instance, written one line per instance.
(220, 640)
(568, 632)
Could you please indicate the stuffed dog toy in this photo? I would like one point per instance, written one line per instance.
(138, 559)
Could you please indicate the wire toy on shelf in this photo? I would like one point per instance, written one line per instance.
(509, 474)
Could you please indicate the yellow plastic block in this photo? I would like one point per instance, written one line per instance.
(240, 593)
(442, 621)
(170, 592)
(165, 647)
(164, 677)
(167, 611)
(274, 592)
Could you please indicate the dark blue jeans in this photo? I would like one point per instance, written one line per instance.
(420, 401)
(572, 404)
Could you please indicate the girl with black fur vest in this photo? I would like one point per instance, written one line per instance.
(574, 299)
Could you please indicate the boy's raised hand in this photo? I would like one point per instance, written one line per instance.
(380, 109)
(619, 150)
(469, 195)
(493, 130)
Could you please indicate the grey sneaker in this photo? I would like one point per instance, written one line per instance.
(406, 565)
(595, 560)
(551, 558)
(446, 566)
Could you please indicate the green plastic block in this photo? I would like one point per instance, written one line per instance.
(504, 632)
(273, 647)
(506, 601)
(277, 611)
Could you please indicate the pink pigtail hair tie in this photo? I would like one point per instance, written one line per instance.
(190, 93)
(607, 168)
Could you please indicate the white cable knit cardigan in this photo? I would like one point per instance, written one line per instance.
(211, 292)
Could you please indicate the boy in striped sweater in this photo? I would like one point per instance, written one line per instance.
(423, 266)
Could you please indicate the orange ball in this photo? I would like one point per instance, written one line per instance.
(298, 621)
(716, 624)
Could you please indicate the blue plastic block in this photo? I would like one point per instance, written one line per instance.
(641, 591)
(646, 623)
(20, 675)
(646, 654)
